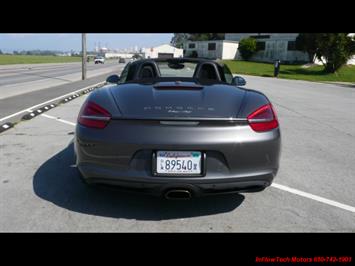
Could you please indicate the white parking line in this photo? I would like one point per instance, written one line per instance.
(57, 98)
(314, 197)
(58, 119)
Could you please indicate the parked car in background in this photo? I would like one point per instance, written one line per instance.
(99, 60)
(121, 60)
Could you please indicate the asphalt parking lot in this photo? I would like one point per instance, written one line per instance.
(313, 191)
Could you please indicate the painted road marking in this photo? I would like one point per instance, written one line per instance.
(58, 119)
(57, 98)
(314, 197)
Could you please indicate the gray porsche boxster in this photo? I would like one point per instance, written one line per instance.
(179, 128)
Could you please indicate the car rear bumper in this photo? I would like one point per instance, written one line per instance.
(94, 174)
(237, 158)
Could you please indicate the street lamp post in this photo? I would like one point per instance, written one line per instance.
(83, 52)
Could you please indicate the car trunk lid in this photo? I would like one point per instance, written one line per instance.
(178, 100)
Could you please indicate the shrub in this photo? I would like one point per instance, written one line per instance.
(194, 54)
(247, 47)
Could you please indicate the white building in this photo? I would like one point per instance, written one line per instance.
(162, 51)
(219, 49)
(117, 55)
(352, 61)
(272, 46)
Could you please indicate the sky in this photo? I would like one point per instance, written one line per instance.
(72, 41)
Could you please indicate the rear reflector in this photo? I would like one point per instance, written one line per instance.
(93, 115)
(263, 119)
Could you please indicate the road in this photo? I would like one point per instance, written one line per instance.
(16, 80)
(313, 191)
(22, 86)
(15, 75)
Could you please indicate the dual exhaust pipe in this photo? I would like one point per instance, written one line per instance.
(178, 194)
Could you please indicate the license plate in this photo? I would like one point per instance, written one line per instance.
(178, 162)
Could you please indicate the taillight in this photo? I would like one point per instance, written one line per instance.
(263, 119)
(93, 115)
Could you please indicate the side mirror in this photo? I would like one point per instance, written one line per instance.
(113, 79)
(238, 81)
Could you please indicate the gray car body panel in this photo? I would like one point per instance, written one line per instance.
(146, 102)
(236, 157)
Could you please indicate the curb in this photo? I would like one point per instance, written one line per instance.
(46, 106)
(6, 126)
(38, 112)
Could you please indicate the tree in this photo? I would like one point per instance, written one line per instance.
(206, 36)
(199, 37)
(179, 39)
(334, 50)
(307, 42)
(0, 52)
(247, 47)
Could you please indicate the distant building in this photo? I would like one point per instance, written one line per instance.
(63, 54)
(272, 46)
(162, 51)
(219, 49)
(103, 50)
(118, 55)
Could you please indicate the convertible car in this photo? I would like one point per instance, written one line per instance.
(178, 128)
